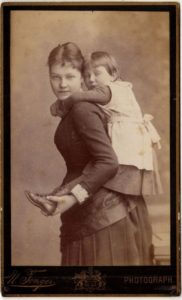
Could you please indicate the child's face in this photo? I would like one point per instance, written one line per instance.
(102, 76)
(97, 76)
(89, 78)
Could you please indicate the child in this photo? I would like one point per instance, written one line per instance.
(132, 135)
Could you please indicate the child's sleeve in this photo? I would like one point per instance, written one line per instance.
(99, 95)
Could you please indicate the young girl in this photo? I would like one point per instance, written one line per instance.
(132, 135)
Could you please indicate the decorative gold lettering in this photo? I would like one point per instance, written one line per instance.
(31, 279)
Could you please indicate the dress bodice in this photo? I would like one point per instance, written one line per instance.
(70, 144)
(72, 141)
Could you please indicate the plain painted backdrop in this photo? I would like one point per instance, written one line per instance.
(140, 43)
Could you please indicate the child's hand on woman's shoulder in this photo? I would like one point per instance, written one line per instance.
(55, 109)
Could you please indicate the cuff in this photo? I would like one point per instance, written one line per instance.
(80, 193)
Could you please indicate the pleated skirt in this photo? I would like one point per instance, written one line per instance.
(127, 242)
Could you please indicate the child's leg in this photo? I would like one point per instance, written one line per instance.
(47, 207)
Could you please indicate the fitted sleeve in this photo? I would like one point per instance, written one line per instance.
(88, 122)
(99, 95)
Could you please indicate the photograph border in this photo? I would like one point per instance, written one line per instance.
(113, 281)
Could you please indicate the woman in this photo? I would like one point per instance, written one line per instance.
(104, 216)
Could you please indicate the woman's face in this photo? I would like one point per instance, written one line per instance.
(65, 80)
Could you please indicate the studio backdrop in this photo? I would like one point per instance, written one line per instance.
(140, 43)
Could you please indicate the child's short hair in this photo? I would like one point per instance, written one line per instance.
(101, 58)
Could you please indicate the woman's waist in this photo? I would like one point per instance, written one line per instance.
(99, 205)
(105, 208)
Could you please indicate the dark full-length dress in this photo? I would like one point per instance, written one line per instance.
(112, 227)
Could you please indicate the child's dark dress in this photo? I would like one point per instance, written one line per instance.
(112, 227)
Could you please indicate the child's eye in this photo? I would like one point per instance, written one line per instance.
(97, 73)
(87, 76)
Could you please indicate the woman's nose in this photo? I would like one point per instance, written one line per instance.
(62, 83)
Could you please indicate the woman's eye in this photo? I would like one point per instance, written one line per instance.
(70, 77)
(54, 77)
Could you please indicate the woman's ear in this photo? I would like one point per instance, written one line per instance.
(82, 82)
(84, 86)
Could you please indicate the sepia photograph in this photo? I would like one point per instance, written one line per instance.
(91, 108)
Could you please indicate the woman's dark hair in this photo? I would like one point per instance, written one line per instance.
(67, 53)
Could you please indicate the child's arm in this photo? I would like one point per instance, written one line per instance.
(99, 95)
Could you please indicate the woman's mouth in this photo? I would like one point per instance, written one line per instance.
(64, 94)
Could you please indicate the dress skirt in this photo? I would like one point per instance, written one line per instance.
(125, 242)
